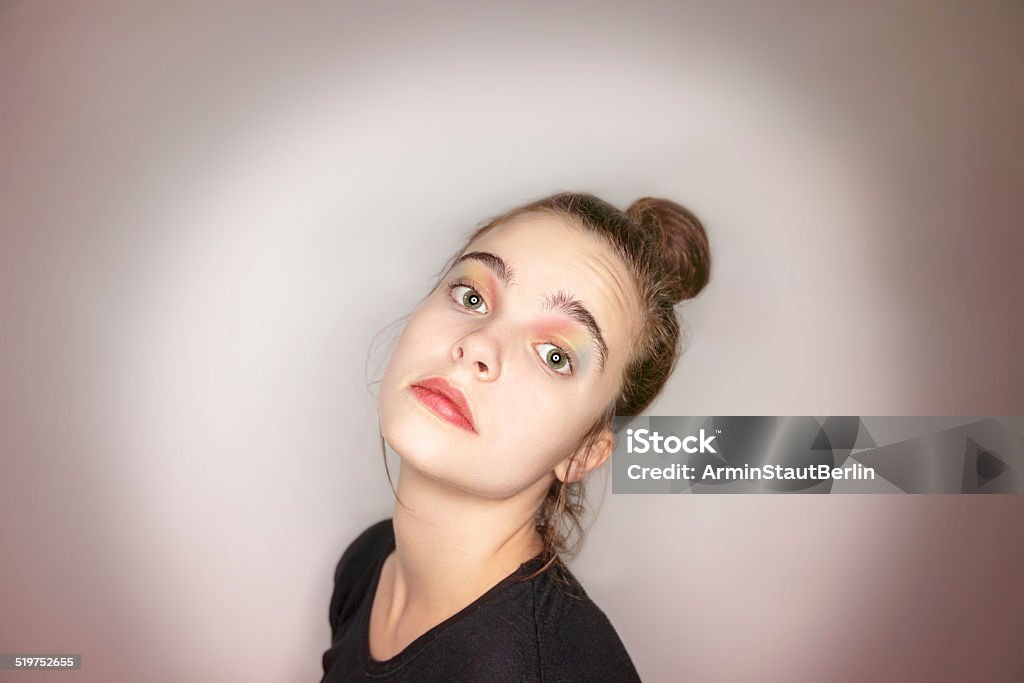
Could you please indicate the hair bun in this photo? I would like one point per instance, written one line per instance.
(680, 245)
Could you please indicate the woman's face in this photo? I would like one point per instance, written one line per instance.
(532, 325)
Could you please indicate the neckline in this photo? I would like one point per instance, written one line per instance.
(412, 650)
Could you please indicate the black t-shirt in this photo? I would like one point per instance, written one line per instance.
(516, 631)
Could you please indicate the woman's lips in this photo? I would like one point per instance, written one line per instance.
(442, 406)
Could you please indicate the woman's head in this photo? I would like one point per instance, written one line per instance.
(551, 319)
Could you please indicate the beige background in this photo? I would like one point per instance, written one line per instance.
(207, 214)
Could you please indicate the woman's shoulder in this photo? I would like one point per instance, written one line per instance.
(377, 538)
(354, 571)
(575, 635)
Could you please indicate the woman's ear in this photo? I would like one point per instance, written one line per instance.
(588, 459)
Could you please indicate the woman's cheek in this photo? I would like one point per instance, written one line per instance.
(428, 324)
(535, 412)
(517, 464)
(440, 316)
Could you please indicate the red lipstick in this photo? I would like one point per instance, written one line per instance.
(445, 400)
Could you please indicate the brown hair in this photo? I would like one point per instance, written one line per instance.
(666, 248)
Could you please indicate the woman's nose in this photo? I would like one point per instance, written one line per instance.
(479, 351)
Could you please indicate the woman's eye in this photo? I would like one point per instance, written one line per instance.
(556, 358)
(469, 298)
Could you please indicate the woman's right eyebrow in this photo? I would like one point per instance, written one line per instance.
(493, 262)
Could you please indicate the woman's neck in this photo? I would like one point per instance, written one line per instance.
(452, 547)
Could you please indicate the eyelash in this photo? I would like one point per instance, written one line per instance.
(569, 355)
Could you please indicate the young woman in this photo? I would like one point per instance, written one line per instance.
(499, 398)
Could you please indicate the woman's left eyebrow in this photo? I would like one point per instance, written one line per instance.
(564, 303)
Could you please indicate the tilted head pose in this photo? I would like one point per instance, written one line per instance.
(498, 398)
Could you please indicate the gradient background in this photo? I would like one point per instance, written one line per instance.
(208, 213)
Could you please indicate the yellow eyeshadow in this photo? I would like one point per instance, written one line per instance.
(476, 271)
